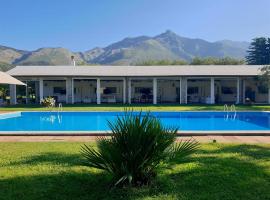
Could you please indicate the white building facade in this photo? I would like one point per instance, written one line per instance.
(185, 84)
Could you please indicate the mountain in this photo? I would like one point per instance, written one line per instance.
(168, 46)
(129, 51)
(9, 55)
(48, 56)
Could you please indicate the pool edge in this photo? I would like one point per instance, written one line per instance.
(108, 133)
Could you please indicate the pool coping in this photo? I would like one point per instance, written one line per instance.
(108, 133)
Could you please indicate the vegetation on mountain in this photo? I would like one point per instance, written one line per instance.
(162, 62)
(259, 51)
(130, 51)
(217, 61)
(5, 66)
(195, 61)
(10, 55)
(48, 56)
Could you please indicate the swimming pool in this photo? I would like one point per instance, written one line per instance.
(97, 121)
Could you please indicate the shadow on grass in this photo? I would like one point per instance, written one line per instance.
(253, 151)
(218, 173)
(226, 172)
(49, 159)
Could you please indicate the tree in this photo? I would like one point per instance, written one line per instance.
(195, 61)
(161, 62)
(268, 50)
(5, 66)
(259, 51)
(264, 78)
(216, 61)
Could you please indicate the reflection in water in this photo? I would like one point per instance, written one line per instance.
(52, 118)
(230, 116)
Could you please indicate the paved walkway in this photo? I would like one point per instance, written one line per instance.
(202, 139)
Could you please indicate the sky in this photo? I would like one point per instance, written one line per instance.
(83, 24)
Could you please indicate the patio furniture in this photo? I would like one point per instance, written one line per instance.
(109, 99)
(87, 100)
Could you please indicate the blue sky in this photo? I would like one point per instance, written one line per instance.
(83, 24)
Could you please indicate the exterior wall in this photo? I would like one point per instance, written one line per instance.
(116, 97)
(223, 96)
(136, 96)
(85, 91)
(203, 95)
(168, 91)
(253, 92)
(48, 89)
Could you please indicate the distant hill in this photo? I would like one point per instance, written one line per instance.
(129, 51)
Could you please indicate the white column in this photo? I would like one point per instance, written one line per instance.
(98, 91)
(244, 91)
(180, 90)
(36, 91)
(268, 95)
(72, 91)
(26, 92)
(124, 90)
(238, 91)
(13, 94)
(129, 91)
(41, 90)
(154, 90)
(186, 91)
(69, 90)
(212, 91)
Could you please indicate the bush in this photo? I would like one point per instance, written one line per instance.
(48, 102)
(138, 145)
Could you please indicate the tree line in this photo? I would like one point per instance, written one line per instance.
(195, 61)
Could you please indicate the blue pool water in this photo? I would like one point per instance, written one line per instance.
(97, 121)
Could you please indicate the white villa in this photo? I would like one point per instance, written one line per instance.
(185, 84)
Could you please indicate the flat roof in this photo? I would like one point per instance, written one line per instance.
(133, 71)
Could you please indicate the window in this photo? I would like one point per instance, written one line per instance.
(193, 90)
(143, 90)
(228, 90)
(59, 90)
(177, 89)
(110, 90)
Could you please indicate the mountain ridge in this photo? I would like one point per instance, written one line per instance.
(129, 51)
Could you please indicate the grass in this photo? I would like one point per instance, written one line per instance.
(44, 171)
(120, 107)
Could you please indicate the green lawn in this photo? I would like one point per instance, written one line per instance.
(41, 171)
(119, 107)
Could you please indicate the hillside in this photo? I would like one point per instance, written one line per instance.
(130, 51)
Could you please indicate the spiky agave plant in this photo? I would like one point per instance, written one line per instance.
(138, 145)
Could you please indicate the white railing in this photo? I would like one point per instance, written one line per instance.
(226, 109)
(60, 107)
(233, 109)
(230, 112)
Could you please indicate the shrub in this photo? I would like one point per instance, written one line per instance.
(48, 102)
(137, 147)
